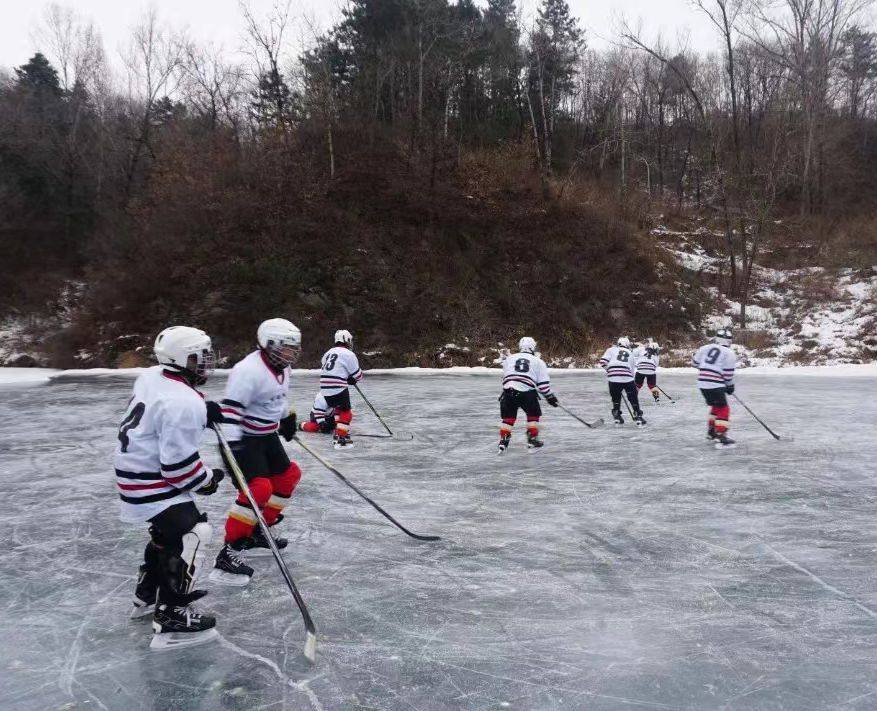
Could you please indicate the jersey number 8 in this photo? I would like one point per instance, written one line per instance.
(522, 365)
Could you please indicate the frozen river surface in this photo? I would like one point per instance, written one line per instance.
(615, 569)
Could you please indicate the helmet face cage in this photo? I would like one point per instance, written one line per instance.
(723, 337)
(200, 366)
(283, 352)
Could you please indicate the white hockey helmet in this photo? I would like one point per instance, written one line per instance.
(187, 350)
(527, 345)
(280, 341)
(623, 342)
(723, 337)
(343, 337)
(652, 345)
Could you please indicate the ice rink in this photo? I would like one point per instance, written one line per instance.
(615, 569)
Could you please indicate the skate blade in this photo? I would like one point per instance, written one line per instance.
(162, 641)
(719, 445)
(341, 447)
(224, 578)
(140, 611)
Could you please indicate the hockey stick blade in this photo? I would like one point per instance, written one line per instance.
(418, 536)
(310, 649)
(398, 436)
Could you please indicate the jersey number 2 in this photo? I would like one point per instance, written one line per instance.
(129, 423)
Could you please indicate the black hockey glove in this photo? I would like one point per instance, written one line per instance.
(552, 400)
(207, 489)
(214, 413)
(729, 389)
(287, 427)
(351, 380)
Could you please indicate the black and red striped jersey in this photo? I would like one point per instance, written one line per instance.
(715, 366)
(256, 397)
(157, 461)
(524, 371)
(619, 364)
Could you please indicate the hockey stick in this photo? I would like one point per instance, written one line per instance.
(665, 394)
(627, 405)
(757, 418)
(310, 650)
(398, 436)
(371, 407)
(590, 425)
(353, 486)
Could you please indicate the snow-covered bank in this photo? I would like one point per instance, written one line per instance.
(36, 376)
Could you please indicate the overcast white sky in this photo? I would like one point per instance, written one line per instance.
(219, 20)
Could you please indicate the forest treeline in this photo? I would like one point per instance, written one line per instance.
(425, 171)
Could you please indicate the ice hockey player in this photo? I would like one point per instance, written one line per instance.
(157, 468)
(524, 376)
(647, 368)
(340, 368)
(322, 417)
(255, 411)
(716, 363)
(618, 362)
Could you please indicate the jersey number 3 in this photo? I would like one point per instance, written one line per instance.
(129, 423)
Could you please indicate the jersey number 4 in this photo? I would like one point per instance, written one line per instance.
(522, 365)
(132, 419)
(329, 363)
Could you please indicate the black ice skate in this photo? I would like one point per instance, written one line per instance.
(711, 433)
(181, 626)
(144, 595)
(616, 415)
(343, 442)
(534, 443)
(656, 396)
(260, 545)
(229, 569)
(639, 419)
(504, 443)
(724, 442)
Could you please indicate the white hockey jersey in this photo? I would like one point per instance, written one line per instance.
(321, 409)
(338, 364)
(619, 364)
(157, 461)
(647, 364)
(256, 398)
(715, 366)
(524, 371)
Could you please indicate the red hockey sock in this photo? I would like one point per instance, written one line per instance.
(282, 487)
(506, 427)
(723, 416)
(533, 426)
(343, 418)
(310, 426)
(241, 518)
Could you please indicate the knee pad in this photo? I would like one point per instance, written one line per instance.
(175, 566)
(284, 484)
(261, 489)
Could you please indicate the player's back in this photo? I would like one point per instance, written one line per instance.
(522, 371)
(618, 363)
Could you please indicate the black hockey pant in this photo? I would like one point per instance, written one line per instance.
(629, 388)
